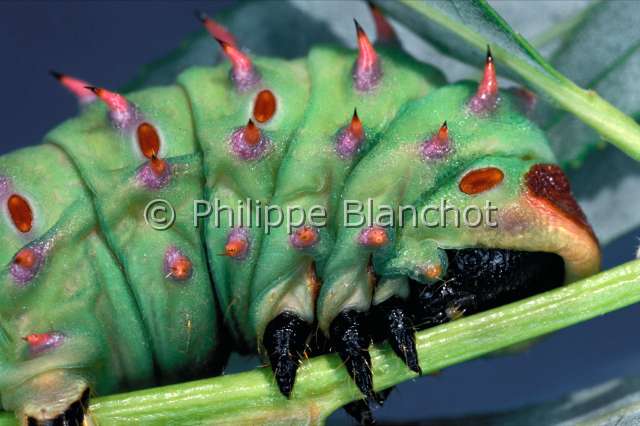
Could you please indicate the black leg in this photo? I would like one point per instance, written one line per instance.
(393, 323)
(361, 412)
(350, 337)
(285, 338)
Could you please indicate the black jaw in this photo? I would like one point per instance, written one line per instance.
(285, 340)
(73, 416)
(481, 279)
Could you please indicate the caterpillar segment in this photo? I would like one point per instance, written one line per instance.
(95, 301)
(331, 139)
(68, 320)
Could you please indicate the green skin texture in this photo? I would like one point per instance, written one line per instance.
(103, 284)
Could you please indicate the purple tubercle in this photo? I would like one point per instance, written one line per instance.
(347, 143)
(177, 265)
(304, 237)
(238, 240)
(150, 180)
(437, 146)
(27, 263)
(246, 151)
(367, 78)
(41, 342)
(244, 81)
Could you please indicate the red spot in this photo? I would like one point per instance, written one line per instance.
(181, 268)
(216, 30)
(481, 180)
(39, 342)
(251, 134)
(385, 31)
(374, 237)
(356, 126)
(235, 248)
(548, 181)
(265, 106)
(37, 339)
(305, 237)
(115, 102)
(148, 140)
(20, 212)
(26, 258)
(76, 86)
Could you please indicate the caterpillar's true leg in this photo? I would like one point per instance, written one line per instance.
(350, 337)
(285, 339)
(392, 322)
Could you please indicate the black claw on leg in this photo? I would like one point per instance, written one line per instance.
(73, 416)
(393, 323)
(285, 338)
(350, 337)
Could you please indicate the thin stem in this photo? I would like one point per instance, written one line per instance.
(323, 386)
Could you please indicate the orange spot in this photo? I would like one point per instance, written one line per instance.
(20, 213)
(377, 237)
(433, 271)
(181, 268)
(251, 134)
(307, 236)
(265, 106)
(235, 248)
(481, 180)
(148, 140)
(37, 339)
(356, 126)
(25, 258)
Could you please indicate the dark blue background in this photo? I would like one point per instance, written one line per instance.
(107, 43)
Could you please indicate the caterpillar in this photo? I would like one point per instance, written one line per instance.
(93, 300)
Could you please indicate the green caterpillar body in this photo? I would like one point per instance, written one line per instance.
(92, 297)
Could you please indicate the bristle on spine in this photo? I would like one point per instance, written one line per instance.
(367, 70)
(243, 74)
(121, 111)
(486, 97)
(76, 86)
(216, 30)
(385, 32)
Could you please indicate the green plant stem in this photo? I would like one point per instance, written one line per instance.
(323, 385)
(612, 124)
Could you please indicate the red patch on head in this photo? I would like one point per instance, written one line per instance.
(549, 182)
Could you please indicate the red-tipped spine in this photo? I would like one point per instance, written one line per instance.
(243, 73)
(486, 97)
(121, 111)
(216, 30)
(384, 30)
(367, 71)
(76, 86)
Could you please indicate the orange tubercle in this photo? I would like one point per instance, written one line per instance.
(264, 106)
(20, 212)
(25, 258)
(481, 180)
